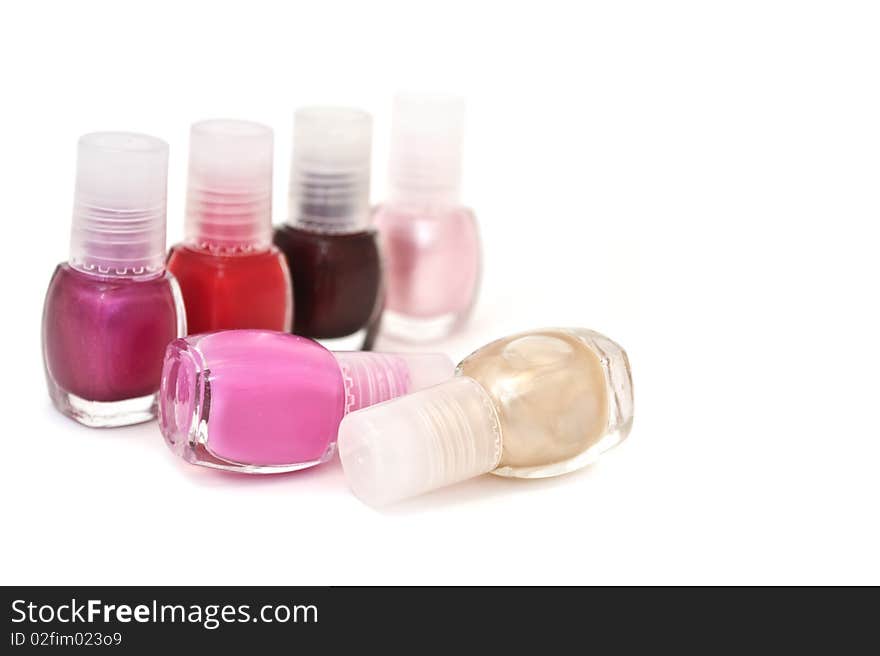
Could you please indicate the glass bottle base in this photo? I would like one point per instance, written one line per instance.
(410, 329)
(199, 455)
(104, 414)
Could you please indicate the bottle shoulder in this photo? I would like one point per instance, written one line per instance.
(73, 296)
(296, 242)
(289, 231)
(404, 212)
(194, 255)
(67, 275)
(426, 225)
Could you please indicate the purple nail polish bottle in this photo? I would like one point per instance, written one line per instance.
(111, 310)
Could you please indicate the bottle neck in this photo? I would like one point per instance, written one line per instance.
(425, 158)
(117, 242)
(135, 274)
(331, 202)
(441, 198)
(227, 250)
(229, 187)
(328, 224)
(107, 245)
(229, 224)
(437, 209)
(118, 223)
(229, 217)
(372, 378)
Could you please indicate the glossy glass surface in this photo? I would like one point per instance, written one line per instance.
(228, 291)
(432, 259)
(337, 280)
(103, 343)
(562, 396)
(251, 400)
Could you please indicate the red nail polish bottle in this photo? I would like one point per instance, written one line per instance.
(230, 274)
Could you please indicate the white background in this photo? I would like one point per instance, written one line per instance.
(697, 180)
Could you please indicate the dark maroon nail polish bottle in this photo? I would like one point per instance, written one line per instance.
(331, 249)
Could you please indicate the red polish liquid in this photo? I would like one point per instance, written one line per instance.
(224, 292)
(229, 273)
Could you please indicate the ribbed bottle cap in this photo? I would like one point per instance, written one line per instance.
(420, 442)
(330, 172)
(229, 193)
(427, 132)
(372, 377)
(119, 204)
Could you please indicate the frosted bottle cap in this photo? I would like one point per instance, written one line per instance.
(427, 132)
(118, 224)
(330, 171)
(420, 442)
(229, 191)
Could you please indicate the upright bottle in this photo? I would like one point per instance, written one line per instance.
(531, 405)
(331, 249)
(430, 241)
(230, 274)
(262, 402)
(111, 310)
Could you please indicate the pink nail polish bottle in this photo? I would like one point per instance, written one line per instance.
(429, 240)
(263, 402)
(111, 310)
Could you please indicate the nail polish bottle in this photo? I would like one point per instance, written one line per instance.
(111, 309)
(330, 246)
(263, 402)
(531, 405)
(429, 240)
(229, 272)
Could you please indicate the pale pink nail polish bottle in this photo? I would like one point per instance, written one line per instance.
(264, 402)
(430, 241)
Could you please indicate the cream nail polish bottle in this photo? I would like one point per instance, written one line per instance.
(532, 405)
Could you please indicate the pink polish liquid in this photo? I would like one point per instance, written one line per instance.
(260, 401)
(432, 262)
(104, 337)
(429, 240)
(112, 309)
